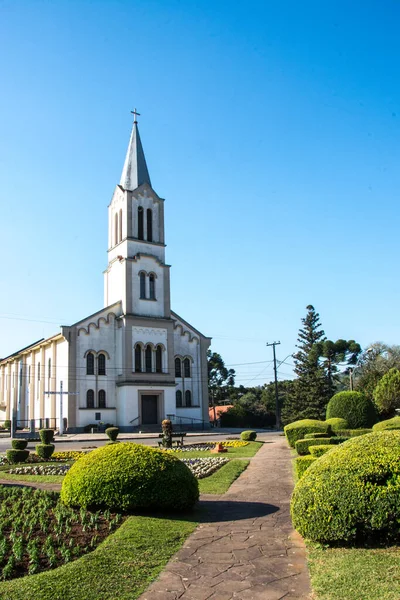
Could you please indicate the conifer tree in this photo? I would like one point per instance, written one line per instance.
(310, 390)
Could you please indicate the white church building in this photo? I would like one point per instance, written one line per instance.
(134, 362)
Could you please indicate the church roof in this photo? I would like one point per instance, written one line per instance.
(135, 171)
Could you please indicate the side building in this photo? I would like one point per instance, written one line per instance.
(132, 363)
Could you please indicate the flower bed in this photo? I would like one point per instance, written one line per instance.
(203, 467)
(41, 470)
(207, 446)
(40, 533)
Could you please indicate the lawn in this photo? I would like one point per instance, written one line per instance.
(220, 481)
(242, 452)
(355, 573)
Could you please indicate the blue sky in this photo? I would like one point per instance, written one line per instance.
(271, 129)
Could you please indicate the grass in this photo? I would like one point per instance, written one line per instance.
(355, 573)
(244, 452)
(121, 567)
(220, 481)
(33, 478)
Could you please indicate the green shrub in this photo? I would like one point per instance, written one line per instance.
(46, 436)
(352, 492)
(112, 433)
(126, 476)
(348, 433)
(17, 456)
(7, 424)
(388, 424)
(387, 393)
(45, 450)
(318, 451)
(303, 446)
(297, 430)
(354, 407)
(248, 436)
(337, 423)
(19, 444)
(316, 436)
(302, 464)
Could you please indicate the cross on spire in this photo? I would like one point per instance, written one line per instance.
(135, 114)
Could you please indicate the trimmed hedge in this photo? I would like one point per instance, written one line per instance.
(126, 476)
(248, 436)
(45, 450)
(46, 436)
(339, 439)
(19, 444)
(352, 492)
(353, 432)
(297, 430)
(388, 424)
(316, 436)
(337, 423)
(354, 407)
(17, 456)
(302, 464)
(320, 450)
(303, 446)
(112, 433)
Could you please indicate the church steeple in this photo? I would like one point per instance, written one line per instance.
(135, 171)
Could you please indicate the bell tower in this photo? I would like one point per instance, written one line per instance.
(137, 274)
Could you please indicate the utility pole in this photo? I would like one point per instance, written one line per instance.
(277, 422)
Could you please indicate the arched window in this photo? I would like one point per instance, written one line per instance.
(115, 229)
(142, 278)
(152, 282)
(90, 399)
(149, 215)
(90, 364)
(159, 359)
(178, 367)
(102, 399)
(138, 358)
(148, 358)
(101, 364)
(178, 398)
(140, 223)
(120, 225)
(186, 367)
(188, 398)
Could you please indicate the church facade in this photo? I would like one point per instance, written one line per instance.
(132, 363)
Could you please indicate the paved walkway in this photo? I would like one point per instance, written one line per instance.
(245, 547)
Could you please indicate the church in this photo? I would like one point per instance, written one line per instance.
(130, 364)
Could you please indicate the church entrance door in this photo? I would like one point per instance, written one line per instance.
(149, 410)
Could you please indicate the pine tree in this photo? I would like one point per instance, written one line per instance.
(310, 392)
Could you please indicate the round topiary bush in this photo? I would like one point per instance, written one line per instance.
(126, 476)
(46, 436)
(17, 456)
(352, 492)
(45, 450)
(248, 436)
(297, 430)
(337, 423)
(354, 407)
(19, 444)
(388, 424)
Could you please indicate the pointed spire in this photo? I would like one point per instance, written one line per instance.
(135, 170)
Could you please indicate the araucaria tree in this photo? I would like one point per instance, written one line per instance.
(310, 392)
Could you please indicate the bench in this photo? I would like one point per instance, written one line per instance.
(178, 442)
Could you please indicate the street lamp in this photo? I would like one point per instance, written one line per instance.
(357, 365)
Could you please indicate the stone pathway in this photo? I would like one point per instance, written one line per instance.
(245, 547)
